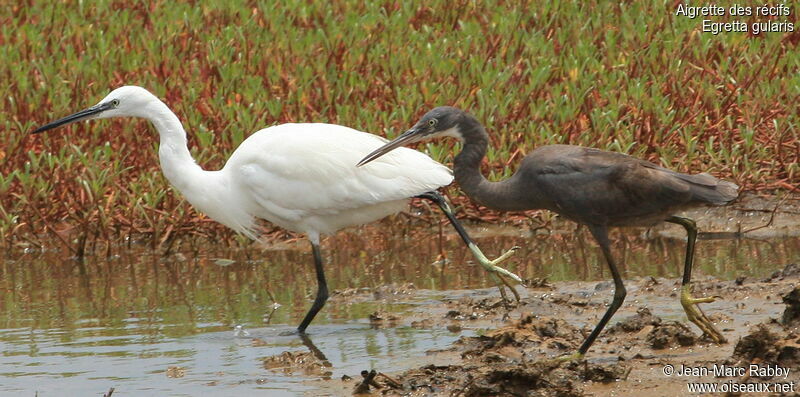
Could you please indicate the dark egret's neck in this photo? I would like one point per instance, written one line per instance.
(508, 195)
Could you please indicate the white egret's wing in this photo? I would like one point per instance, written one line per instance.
(301, 170)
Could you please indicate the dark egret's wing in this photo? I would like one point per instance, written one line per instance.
(600, 187)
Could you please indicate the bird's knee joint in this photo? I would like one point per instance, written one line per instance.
(688, 224)
(322, 295)
(620, 293)
(432, 196)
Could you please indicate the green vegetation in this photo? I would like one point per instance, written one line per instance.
(631, 77)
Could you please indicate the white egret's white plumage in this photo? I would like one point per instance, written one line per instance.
(301, 177)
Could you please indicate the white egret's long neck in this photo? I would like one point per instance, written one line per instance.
(207, 191)
(176, 161)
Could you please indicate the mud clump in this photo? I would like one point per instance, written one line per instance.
(292, 362)
(769, 344)
(791, 270)
(393, 290)
(774, 342)
(637, 322)
(537, 379)
(461, 316)
(515, 353)
(373, 378)
(542, 327)
(431, 379)
(473, 309)
(538, 283)
(540, 378)
(424, 324)
(558, 378)
(791, 316)
(671, 334)
(557, 333)
(382, 319)
(174, 371)
(523, 335)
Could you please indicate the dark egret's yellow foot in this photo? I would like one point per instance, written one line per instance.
(697, 316)
(499, 274)
(570, 357)
(557, 361)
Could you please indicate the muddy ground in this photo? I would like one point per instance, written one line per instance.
(515, 350)
(648, 348)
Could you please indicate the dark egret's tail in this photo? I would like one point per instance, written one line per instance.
(708, 189)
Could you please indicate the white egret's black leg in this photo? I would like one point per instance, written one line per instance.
(689, 302)
(314, 349)
(496, 272)
(322, 286)
(600, 234)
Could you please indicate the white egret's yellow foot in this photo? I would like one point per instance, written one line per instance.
(696, 315)
(498, 273)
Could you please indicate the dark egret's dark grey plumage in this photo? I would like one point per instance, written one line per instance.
(593, 187)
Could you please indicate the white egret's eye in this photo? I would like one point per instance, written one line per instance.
(115, 102)
(432, 122)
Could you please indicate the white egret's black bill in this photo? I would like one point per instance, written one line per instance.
(404, 138)
(82, 115)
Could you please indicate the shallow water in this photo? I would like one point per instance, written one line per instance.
(74, 327)
(91, 360)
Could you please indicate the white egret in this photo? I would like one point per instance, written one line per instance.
(301, 177)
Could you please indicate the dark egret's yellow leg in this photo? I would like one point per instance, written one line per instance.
(689, 302)
(497, 273)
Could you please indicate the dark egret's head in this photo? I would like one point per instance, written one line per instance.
(439, 122)
(127, 101)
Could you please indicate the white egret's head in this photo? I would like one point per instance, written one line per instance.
(126, 101)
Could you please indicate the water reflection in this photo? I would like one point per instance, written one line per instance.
(74, 327)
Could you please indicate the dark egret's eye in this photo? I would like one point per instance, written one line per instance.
(115, 103)
(432, 122)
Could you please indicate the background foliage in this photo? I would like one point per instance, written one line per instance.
(629, 77)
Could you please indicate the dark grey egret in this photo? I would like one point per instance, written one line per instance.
(300, 177)
(592, 187)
